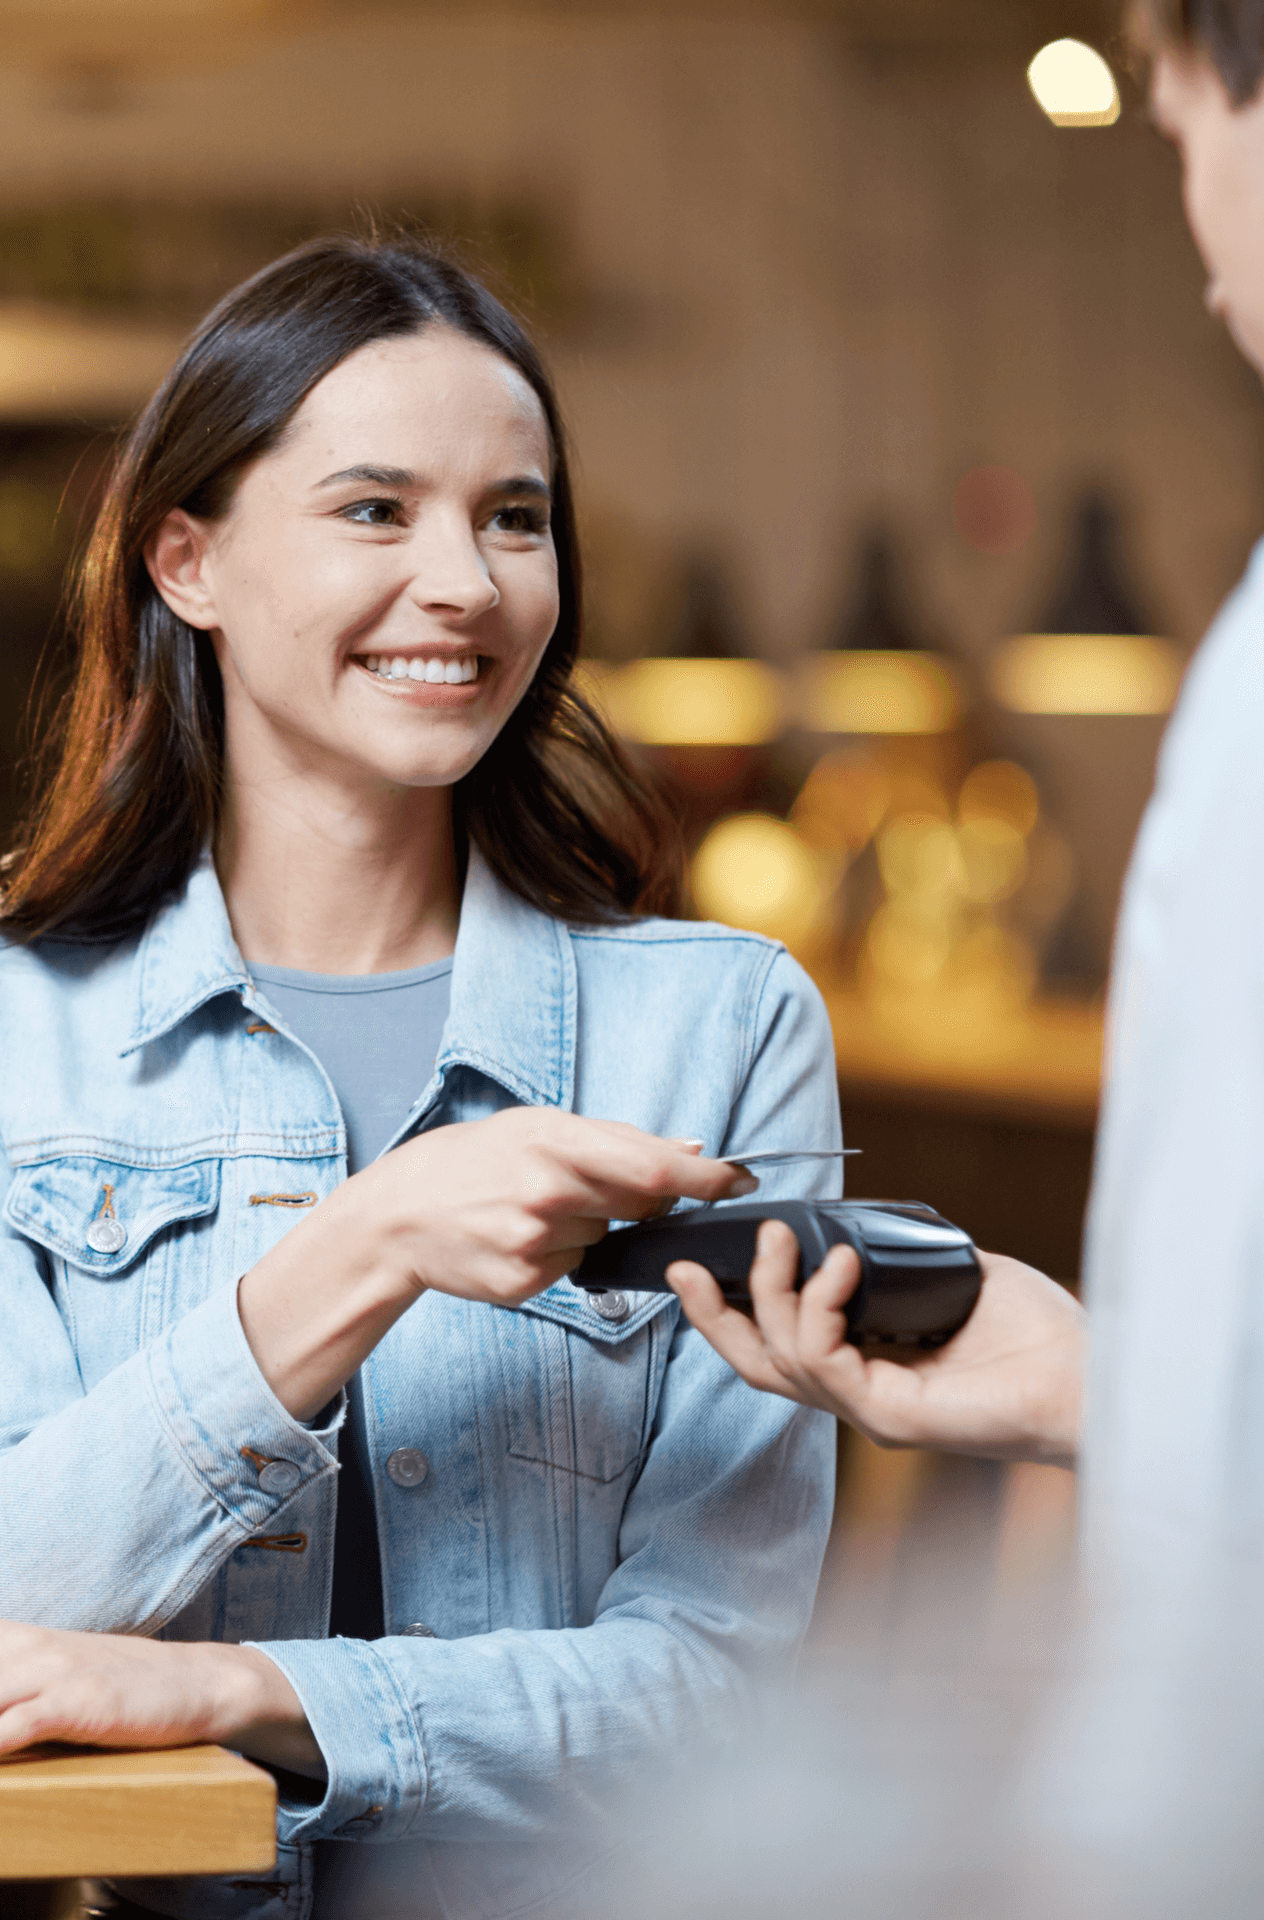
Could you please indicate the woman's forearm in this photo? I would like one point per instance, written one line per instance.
(314, 1308)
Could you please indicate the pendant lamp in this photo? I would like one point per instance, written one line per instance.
(878, 676)
(1094, 650)
(699, 688)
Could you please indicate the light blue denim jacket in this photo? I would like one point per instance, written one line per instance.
(617, 1541)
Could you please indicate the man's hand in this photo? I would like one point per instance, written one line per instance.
(1008, 1386)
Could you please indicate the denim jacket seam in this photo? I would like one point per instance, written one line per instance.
(420, 1771)
(703, 936)
(37, 1149)
(753, 1008)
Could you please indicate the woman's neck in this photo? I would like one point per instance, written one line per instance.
(327, 882)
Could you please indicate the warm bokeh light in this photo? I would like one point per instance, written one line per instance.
(1000, 790)
(1073, 85)
(994, 510)
(689, 703)
(918, 854)
(1103, 673)
(877, 692)
(754, 871)
(906, 947)
(993, 859)
(842, 802)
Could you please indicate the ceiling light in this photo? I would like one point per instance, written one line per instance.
(690, 702)
(877, 692)
(1093, 649)
(1073, 85)
(1086, 673)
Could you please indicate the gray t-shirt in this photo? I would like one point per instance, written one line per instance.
(375, 1034)
(377, 1037)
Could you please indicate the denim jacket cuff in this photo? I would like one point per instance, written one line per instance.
(378, 1778)
(230, 1429)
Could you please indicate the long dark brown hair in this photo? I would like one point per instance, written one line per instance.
(134, 771)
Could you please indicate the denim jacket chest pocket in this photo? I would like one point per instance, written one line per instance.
(580, 1389)
(121, 1242)
(100, 1216)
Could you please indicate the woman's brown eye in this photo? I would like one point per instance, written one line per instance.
(521, 520)
(372, 513)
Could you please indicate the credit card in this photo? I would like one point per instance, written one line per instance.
(767, 1156)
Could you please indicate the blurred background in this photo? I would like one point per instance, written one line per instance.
(911, 469)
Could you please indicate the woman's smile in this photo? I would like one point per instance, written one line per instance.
(425, 679)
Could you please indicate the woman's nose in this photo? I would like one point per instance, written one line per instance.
(450, 574)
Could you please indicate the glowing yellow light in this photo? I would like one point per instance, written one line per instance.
(689, 703)
(1085, 673)
(994, 858)
(1073, 85)
(841, 802)
(990, 967)
(919, 855)
(754, 871)
(999, 790)
(906, 947)
(877, 692)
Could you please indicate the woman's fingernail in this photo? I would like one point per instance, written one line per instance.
(695, 1146)
(744, 1183)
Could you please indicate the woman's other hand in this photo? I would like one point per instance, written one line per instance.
(1007, 1386)
(116, 1690)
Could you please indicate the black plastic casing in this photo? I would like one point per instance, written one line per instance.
(919, 1275)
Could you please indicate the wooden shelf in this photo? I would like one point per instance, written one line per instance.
(70, 1811)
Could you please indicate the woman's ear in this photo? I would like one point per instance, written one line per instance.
(176, 559)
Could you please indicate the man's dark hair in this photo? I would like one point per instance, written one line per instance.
(1229, 32)
(132, 793)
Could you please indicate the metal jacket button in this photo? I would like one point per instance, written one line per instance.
(106, 1235)
(419, 1631)
(613, 1306)
(279, 1476)
(407, 1467)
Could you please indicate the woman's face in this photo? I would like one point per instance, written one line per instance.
(384, 583)
(1222, 157)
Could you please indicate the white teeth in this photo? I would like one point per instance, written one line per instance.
(436, 673)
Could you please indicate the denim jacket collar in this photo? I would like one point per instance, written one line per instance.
(513, 1008)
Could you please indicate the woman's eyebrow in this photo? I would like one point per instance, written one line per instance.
(375, 476)
(405, 477)
(524, 483)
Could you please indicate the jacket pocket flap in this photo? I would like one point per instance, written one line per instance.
(100, 1215)
(574, 1307)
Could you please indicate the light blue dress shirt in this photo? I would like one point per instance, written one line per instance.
(612, 1541)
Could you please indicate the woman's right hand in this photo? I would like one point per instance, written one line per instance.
(498, 1209)
(493, 1210)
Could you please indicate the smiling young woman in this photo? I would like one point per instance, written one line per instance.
(335, 1026)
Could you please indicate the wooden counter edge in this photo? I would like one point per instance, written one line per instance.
(183, 1810)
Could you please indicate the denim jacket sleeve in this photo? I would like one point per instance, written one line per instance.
(118, 1503)
(720, 1549)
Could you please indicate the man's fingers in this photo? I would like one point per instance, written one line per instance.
(734, 1337)
(773, 1273)
(823, 1304)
